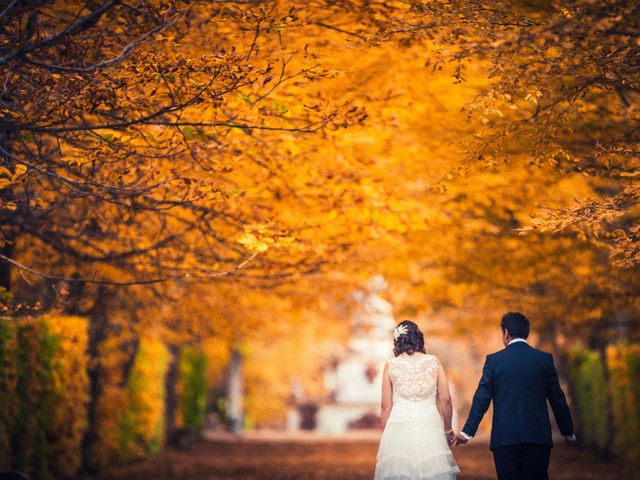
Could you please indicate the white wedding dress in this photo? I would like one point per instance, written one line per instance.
(413, 444)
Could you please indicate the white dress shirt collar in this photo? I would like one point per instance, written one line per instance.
(515, 340)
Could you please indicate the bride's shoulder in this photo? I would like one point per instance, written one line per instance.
(415, 358)
(434, 358)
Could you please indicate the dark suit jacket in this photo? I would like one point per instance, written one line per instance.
(519, 379)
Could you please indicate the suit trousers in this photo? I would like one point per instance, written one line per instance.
(523, 461)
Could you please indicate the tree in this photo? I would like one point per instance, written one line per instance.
(139, 147)
(222, 160)
(565, 89)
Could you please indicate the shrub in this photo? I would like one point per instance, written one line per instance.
(43, 394)
(33, 393)
(142, 426)
(624, 374)
(8, 377)
(588, 377)
(193, 387)
(67, 419)
(112, 401)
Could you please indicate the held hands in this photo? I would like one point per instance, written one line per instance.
(455, 439)
(451, 437)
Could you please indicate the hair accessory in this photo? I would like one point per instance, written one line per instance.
(400, 330)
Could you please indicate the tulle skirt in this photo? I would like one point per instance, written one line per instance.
(413, 445)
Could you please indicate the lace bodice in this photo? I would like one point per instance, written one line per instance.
(414, 379)
(413, 444)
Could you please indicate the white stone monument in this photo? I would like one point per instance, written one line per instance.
(354, 381)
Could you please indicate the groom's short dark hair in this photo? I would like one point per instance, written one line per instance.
(516, 323)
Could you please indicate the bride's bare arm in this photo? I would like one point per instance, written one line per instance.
(444, 397)
(387, 397)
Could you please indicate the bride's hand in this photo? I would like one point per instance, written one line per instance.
(451, 437)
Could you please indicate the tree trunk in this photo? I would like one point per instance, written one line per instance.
(7, 241)
(235, 392)
(130, 348)
(98, 328)
(5, 267)
(171, 395)
(76, 290)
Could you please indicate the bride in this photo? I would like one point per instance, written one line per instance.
(416, 413)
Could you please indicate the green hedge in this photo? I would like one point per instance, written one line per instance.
(44, 396)
(8, 403)
(193, 387)
(623, 361)
(36, 389)
(142, 429)
(607, 398)
(589, 383)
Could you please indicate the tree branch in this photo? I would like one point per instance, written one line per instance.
(182, 277)
(84, 23)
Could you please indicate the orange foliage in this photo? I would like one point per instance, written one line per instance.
(250, 164)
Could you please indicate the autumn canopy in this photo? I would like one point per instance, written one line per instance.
(219, 173)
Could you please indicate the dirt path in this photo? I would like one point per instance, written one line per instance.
(331, 459)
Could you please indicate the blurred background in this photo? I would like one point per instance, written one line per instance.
(212, 215)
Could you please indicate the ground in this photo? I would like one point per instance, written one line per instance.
(318, 458)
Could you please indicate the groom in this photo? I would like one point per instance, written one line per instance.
(519, 379)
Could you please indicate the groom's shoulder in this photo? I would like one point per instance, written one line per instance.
(548, 356)
(542, 353)
(506, 351)
(495, 355)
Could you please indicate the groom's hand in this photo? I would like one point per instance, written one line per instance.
(451, 437)
(460, 440)
(570, 438)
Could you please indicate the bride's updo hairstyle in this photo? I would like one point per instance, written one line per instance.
(407, 338)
